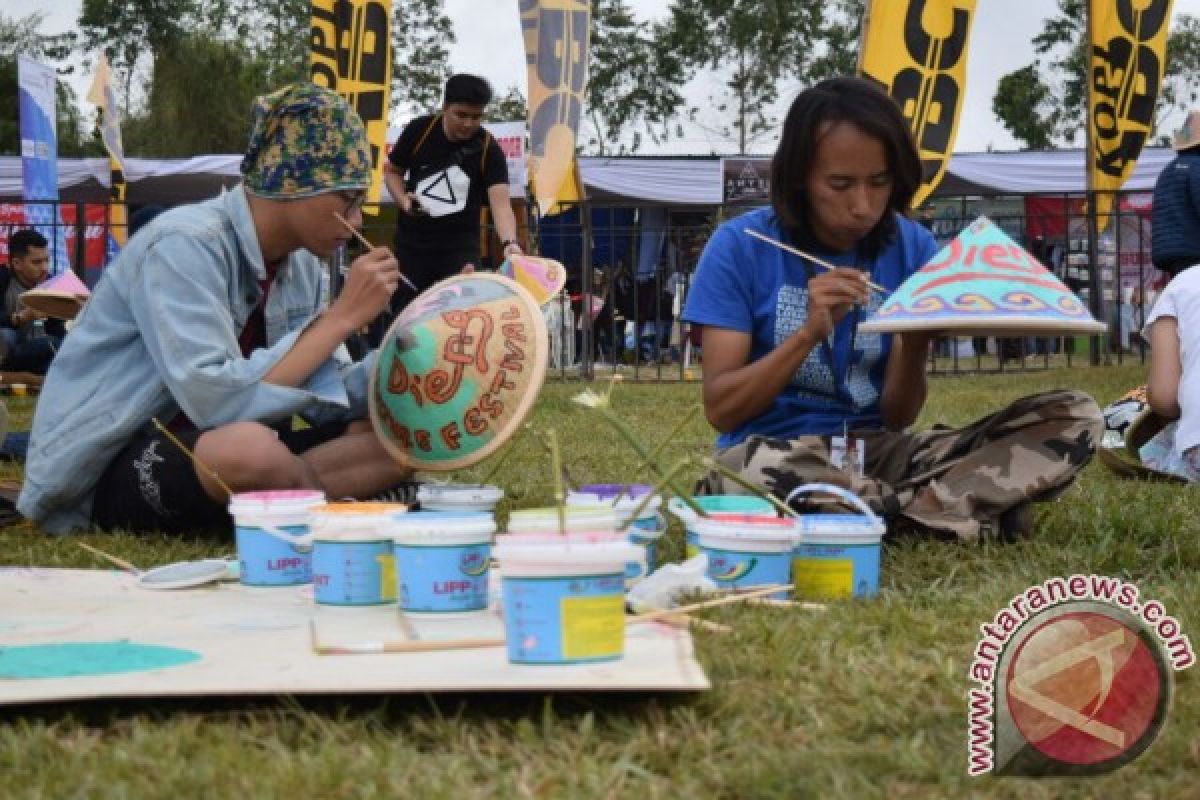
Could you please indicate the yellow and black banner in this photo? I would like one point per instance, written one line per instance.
(917, 50)
(557, 34)
(102, 95)
(352, 55)
(1127, 57)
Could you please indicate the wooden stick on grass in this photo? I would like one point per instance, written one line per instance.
(120, 562)
(720, 601)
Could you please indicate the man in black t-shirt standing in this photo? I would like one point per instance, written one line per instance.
(438, 172)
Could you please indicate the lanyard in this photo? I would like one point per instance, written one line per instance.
(827, 344)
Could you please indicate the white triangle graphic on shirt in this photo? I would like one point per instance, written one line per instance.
(431, 190)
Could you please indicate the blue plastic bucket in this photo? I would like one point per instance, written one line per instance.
(837, 555)
(271, 530)
(626, 499)
(352, 559)
(442, 560)
(713, 504)
(748, 550)
(564, 596)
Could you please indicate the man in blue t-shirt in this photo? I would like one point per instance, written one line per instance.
(799, 394)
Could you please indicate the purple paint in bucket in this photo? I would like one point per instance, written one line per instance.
(266, 558)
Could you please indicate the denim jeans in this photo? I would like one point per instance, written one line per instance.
(28, 353)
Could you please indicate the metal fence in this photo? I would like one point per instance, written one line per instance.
(627, 287)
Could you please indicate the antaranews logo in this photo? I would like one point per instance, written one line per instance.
(1075, 677)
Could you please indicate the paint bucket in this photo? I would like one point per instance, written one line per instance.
(563, 595)
(837, 555)
(442, 560)
(581, 518)
(352, 560)
(271, 529)
(714, 504)
(458, 497)
(748, 550)
(625, 499)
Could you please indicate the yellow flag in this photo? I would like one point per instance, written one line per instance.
(557, 34)
(1127, 56)
(917, 50)
(352, 55)
(102, 95)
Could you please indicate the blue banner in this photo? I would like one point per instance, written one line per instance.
(39, 156)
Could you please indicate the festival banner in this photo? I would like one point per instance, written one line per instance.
(1127, 58)
(557, 36)
(39, 155)
(510, 136)
(104, 98)
(917, 50)
(352, 55)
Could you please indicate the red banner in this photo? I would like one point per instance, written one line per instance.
(12, 217)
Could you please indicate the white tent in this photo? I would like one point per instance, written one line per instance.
(630, 181)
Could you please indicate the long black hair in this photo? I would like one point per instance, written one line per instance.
(867, 107)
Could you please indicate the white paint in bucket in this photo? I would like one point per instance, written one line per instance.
(837, 555)
(442, 560)
(458, 497)
(564, 600)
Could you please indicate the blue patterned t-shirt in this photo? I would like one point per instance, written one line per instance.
(747, 285)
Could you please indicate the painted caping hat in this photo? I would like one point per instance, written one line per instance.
(1188, 136)
(306, 140)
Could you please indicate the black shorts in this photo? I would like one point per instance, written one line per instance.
(151, 485)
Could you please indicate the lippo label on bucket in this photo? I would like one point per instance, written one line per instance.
(1075, 677)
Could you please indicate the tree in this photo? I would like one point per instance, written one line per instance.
(22, 36)
(131, 31)
(1027, 107)
(633, 81)
(421, 32)
(509, 107)
(199, 99)
(755, 46)
(1064, 73)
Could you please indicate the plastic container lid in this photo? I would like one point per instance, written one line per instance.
(432, 528)
(715, 503)
(274, 506)
(625, 505)
(747, 532)
(352, 522)
(576, 518)
(839, 529)
(459, 495)
(611, 491)
(576, 553)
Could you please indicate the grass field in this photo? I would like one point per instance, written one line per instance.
(866, 700)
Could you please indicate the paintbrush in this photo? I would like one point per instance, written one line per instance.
(363, 241)
(720, 601)
(798, 252)
(211, 472)
(402, 646)
(120, 562)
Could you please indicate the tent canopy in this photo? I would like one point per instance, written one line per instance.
(627, 181)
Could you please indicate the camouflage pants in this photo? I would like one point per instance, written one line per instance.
(946, 480)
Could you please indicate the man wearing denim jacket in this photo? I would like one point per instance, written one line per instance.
(213, 320)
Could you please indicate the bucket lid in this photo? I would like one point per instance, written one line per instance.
(625, 503)
(283, 501)
(747, 526)
(839, 529)
(599, 549)
(611, 491)
(575, 518)
(460, 493)
(429, 528)
(351, 521)
(718, 503)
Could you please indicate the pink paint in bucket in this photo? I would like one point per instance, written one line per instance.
(745, 550)
(263, 524)
(563, 595)
(715, 504)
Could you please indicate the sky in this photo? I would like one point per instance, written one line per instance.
(489, 43)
